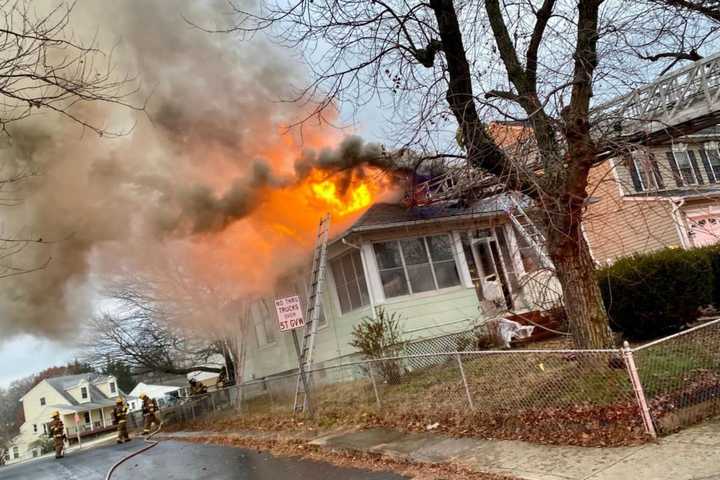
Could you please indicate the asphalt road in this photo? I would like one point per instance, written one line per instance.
(179, 461)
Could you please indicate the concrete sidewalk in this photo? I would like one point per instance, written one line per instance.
(693, 454)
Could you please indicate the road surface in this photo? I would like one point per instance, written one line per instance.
(180, 461)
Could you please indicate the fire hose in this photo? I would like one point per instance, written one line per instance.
(150, 444)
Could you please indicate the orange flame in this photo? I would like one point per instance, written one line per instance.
(357, 196)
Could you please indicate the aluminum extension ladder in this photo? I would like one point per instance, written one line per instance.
(529, 231)
(312, 314)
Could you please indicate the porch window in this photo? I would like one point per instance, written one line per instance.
(87, 418)
(416, 265)
(686, 173)
(264, 320)
(350, 283)
(83, 393)
(112, 387)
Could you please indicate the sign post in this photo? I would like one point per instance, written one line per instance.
(290, 317)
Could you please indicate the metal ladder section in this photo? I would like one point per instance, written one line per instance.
(313, 310)
(529, 231)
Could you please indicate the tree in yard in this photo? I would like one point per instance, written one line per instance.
(45, 68)
(450, 65)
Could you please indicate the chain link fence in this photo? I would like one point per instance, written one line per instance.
(660, 386)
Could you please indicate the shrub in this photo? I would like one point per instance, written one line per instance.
(655, 294)
(377, 338)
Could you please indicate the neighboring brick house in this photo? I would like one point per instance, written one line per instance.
(664, 196)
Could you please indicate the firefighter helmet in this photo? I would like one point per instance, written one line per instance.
(142, 395)
(119, 400)
(55, 414)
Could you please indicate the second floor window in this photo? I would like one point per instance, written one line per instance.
(684, 166)
(710, 155)
(112, 387)
(644, 172)
(34, 428)
(42, 401)
(350, 283)
(83, 392)
(416, 265)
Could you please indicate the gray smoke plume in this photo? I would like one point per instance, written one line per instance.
(196, 163)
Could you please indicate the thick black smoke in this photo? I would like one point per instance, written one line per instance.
(212, 111)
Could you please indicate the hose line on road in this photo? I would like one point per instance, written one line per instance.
(150, 444)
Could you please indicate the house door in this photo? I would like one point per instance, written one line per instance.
(490, 271)
(705, 230)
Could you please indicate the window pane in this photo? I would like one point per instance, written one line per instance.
(394, 283)
(354, 294)
(360, 279)
(347, 266)
(344, 298)
(686, 170)
(446, 274)
(388, 255)
(421, 278)
(414, 251)
(440, 248)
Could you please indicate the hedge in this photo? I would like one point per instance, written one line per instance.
(655, 294)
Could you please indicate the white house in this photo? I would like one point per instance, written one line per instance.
(89, 397)
(164, 394)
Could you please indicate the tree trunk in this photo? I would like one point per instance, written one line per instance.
(583, 301)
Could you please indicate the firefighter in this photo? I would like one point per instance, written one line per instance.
(57, 430)
(149, 409)
(197, 388)
(120, 416)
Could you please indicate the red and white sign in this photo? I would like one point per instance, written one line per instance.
(289, 311)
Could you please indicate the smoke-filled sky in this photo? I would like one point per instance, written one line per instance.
(206, 173)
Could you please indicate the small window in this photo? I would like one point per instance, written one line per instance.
(416, 265)
(16, 453)
(83, 392)
(264, 320)
(42, 401)
(112, 387)
(644, 171)
(349, 277)
(34, 428)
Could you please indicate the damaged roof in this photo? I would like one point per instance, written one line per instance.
(387, 215)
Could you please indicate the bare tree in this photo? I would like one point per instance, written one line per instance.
(475, 61)
(165, 318)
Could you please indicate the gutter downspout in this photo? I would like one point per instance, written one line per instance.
(677, 204)
(365, 276)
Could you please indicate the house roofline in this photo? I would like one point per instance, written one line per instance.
(411, 223)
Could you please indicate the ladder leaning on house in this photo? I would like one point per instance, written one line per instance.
(312, 314)
(529, 231)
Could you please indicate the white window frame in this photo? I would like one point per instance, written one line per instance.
(677, 149)
(84, 393)
(430, 260)
(338, 282)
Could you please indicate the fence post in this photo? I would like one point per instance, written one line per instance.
(374, 385)
(464, 379)
(627, 354)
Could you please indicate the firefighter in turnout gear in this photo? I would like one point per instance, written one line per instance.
(120, 417)
(149, 410)
(197, 388)
(57, 430)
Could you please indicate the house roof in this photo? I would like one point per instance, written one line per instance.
(696, 192)
(387, 215)
(62, 384)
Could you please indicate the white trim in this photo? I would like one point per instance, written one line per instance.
(425, 294)
(680, 225)
(519, 268)
(373, 273)
(461, 260)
